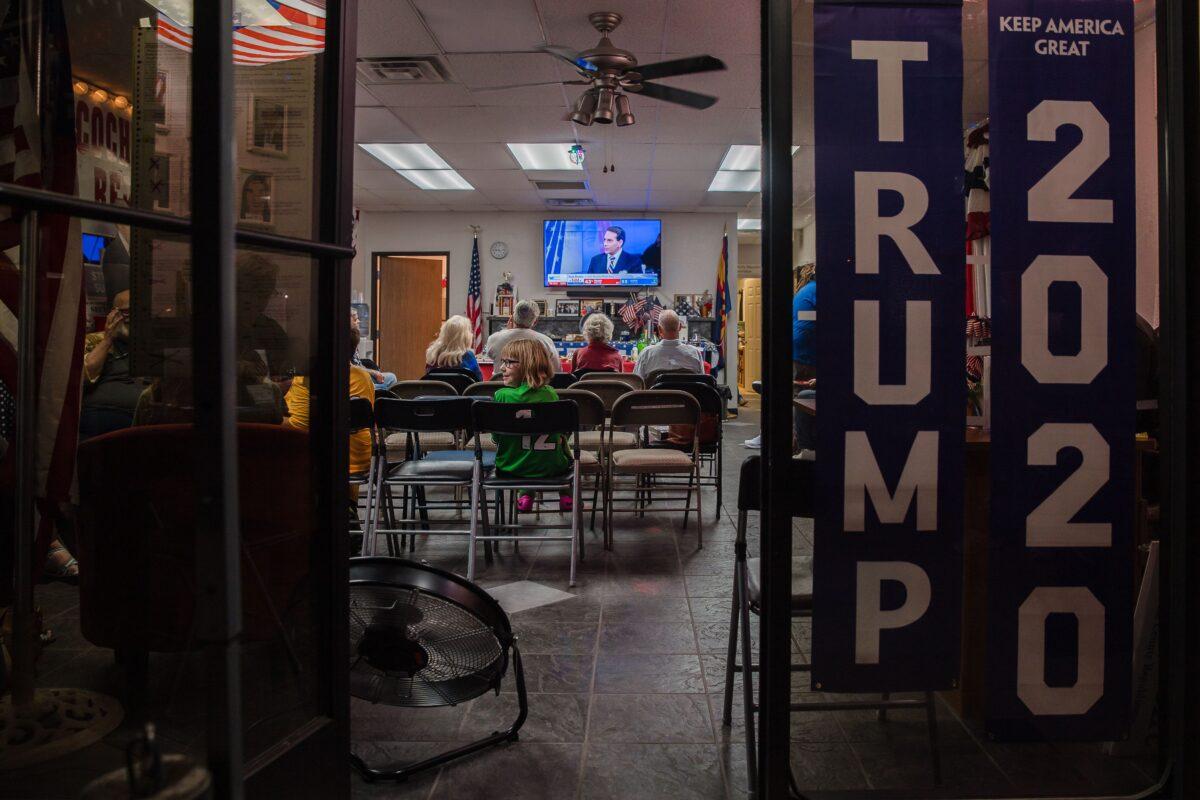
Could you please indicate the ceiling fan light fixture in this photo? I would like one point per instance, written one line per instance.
(585, 107)
(605, 101)
(624, 115)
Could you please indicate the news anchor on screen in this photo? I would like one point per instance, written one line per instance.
(614, 259)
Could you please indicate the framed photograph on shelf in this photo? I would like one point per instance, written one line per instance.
(256, 204)
(566, 308)
(504, 305)
(543, 307)
(267, 128)
(591, 305)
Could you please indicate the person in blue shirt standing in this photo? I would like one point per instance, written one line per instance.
(804, 354)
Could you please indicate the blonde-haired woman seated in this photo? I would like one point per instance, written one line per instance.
(453, 348)
(598, 354)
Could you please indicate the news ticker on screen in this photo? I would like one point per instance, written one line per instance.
(602, 280)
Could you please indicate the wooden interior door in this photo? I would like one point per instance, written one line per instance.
(752, 318)
(409, 311)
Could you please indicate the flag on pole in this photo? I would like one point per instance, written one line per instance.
(290, 29)
(722, 300)
(656, 309)
(631, 312)
(37, 149)
(475, 300)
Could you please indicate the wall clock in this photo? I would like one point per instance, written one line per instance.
(499, 250)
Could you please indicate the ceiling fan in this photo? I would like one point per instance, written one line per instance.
(611, 72)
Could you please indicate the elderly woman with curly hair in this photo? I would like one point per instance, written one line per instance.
(598, 354)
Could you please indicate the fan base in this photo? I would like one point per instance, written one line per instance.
(605, 21)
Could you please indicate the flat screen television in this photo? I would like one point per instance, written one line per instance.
(600, 253)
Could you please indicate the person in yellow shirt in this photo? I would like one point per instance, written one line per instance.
(361, 385)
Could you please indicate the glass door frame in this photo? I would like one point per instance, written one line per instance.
(1178, 82)
(315, 756)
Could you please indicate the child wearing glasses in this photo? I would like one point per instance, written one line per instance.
(527, 370)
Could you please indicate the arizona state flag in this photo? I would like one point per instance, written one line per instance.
(721, 306)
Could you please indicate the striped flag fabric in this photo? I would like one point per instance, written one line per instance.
(475, 300)
(37, 149)
(302, 33)
(722, 304)
(655, 309)
(631, 312)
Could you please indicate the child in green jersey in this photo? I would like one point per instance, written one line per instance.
(527, 370)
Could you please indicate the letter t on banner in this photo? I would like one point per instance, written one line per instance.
(890, 346)
(1060, 566)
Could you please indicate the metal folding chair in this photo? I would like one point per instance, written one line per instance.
(653, 377)
(747, 599)
(591, 461)
(416, 418)
(536, 423)
(362, 416)
(563, 380)
(653, 407)
(457, 377)
(712, 407)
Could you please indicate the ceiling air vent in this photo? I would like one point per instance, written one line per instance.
(570, 202)
(402, 69)
(561, 186)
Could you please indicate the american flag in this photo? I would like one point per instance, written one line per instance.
(656, 309)
(475, 301)
(303, 34)
(722, 304)
(37, 149)
(631, 312)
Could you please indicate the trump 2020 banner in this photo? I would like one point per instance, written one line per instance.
(891, 346)
(1060, 570)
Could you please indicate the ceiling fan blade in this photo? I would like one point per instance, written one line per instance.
(680, 66)
(568, 55)
(671, 94)
(523, 85)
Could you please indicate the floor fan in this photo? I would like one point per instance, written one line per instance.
(421, 637)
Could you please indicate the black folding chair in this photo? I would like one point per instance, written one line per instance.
(633, 380)
(747, 599)
(583, 372)
(457, 377)
(592, 415)
(711, 452)
(415, 474)
(535, 423)
(563, 380)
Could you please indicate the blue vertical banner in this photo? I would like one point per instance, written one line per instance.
(1060, 571)
(890, 345)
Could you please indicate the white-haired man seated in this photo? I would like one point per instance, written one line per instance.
(520, 326)
(669, 353)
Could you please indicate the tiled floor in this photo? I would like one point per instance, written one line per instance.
(625, 682)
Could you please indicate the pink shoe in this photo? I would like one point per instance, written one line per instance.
(525, 503)
(565, 504)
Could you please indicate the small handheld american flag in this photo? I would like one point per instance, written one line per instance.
(474, 300)
(632, 310)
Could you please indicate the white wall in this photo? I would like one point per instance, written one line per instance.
(691, 247)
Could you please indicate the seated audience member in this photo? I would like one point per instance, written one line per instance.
(669, 353)
(383, 380)
(452, 347)
(360, 386)
(110, 392)
(598, 353)
(260, 338)
(520, 326)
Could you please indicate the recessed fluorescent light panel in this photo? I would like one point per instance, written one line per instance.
(750, 224)
(728, 180)
(544, 156)
(419, 164)
(740, 170)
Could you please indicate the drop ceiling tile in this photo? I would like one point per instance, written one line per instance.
(475, 155)
(391, 28)
(627, 198)
(714, 125)
(681, 180)
(525, 97)
(478, 70)
(380, 125)
(503, 179)
(640, 30)
(509, 198)
(622, 179)
(363, 97)
(702, 26)
(625, 154)
(418, 197)
(676, 198)
(381, 181)
(365, 162)
(400, 96)
(689, 156)
(470, 26)
(495, 124)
